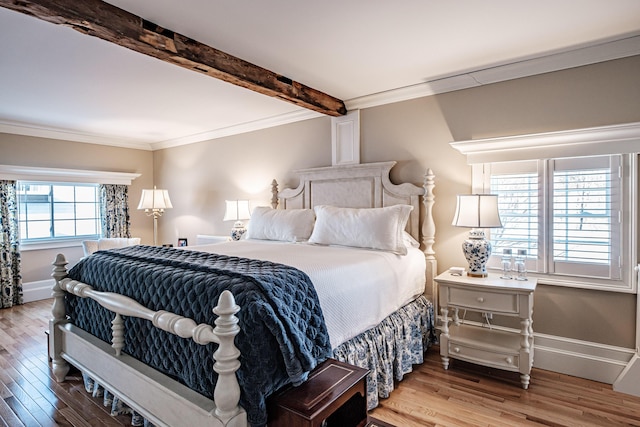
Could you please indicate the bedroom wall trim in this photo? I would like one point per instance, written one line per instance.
(584, 359)
(26, 129)
(605, 50)
(30, 173)
(345, 139)
(38, 290)
(627, 381)
(614, 139)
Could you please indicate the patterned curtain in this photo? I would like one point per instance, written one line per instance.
(10, 277)
(115, 210)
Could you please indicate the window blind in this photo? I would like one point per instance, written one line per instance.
(582, 216)
(518, 206)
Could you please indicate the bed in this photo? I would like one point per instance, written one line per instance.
(121, 287)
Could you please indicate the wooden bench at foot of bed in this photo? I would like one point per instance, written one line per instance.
(334, 395)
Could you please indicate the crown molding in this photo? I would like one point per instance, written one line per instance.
(29, 173)
(605, 50)
(17, 128)
(282, 119)
(620, 138)
(561, 60)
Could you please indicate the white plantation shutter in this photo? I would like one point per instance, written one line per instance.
(566, 213)
(518, 206)
(586, 205)
(518, 186)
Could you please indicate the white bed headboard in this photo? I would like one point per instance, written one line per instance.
(367, 186)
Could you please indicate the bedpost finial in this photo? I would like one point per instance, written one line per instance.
(227, 299)
(60, 260)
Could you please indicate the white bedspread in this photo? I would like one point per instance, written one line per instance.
(357, 288)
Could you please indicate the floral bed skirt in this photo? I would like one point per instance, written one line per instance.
(390, 349)
(109, 400)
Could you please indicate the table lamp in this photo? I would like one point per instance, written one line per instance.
(477, 211)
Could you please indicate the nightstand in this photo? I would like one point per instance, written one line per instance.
(483, 344)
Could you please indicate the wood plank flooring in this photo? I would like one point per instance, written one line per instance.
(465, 395)
(471, 395)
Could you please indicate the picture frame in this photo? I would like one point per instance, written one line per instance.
(182, 242)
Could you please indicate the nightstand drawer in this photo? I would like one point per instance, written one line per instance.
(483, 300)
(510, 362)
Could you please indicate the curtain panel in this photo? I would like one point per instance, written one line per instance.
(10, 277)
(115, 210)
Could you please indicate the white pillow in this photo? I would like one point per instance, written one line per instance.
(373, 228)
(289, 225)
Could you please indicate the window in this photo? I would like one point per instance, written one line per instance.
(568, 214)
(55, 211)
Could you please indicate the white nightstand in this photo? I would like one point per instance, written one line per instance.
(487, 345)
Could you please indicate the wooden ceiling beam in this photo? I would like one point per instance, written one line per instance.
(105, 21)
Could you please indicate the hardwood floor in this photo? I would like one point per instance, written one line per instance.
(29, 394)
(466, 395)
(470, 395)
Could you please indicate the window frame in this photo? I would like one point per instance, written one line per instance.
(52, 240)
(544, 267)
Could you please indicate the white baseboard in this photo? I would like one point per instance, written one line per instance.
(584, 359)
(35, 291)
(628, 382)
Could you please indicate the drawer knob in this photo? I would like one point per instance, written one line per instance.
(456, 349)
(509, 360)
(480, 299)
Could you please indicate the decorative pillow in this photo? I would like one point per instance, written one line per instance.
(289, 225)
(372, 228)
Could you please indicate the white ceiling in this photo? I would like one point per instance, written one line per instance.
(58, 83)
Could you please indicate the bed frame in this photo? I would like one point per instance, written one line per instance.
(164, 401)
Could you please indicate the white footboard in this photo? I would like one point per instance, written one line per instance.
(162, 400)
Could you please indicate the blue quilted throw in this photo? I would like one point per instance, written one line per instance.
(283, 335)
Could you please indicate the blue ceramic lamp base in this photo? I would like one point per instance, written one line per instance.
(477, 251)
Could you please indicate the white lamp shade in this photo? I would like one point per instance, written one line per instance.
(477, 211)
(237, 210)
(155, 199)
